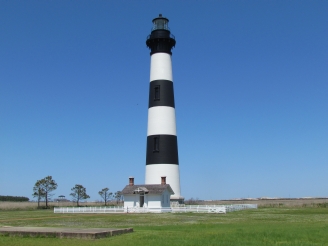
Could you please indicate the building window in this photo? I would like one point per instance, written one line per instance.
(156, 93)
(156, 144)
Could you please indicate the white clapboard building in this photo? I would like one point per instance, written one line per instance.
(148, 196)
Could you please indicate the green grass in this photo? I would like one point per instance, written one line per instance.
(266, 226)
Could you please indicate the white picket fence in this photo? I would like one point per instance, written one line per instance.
(91, 210)
(217, 208)
(183, 209)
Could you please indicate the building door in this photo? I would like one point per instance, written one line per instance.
(142, 200)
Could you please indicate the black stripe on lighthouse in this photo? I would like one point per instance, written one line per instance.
(162, 149)
(161, 93)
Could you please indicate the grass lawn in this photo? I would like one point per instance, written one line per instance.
(264, 226)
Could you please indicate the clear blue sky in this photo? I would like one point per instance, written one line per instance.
(251, 90)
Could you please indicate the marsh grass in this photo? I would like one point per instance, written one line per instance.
(265, 226)
(34, 205)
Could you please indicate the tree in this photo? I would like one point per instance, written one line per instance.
(38, 193)
(118, 196)
(105, 195)
(43, 188)
(79, 193)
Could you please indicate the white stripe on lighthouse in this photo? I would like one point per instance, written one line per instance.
(156, 171)
(161, 67)
(161, 120)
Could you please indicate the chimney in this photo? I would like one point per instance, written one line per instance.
(163, 180)
(131, 181)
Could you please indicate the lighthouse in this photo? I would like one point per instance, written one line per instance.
(162, 145)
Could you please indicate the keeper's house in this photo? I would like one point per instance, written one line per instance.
(147, 195)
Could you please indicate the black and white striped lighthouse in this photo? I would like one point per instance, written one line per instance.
(162, 145)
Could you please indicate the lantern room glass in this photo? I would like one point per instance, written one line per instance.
(160, 23)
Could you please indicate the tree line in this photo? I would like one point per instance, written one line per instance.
(43, 189)
(14, 199)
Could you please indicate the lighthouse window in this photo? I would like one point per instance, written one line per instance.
(157, 95)
(156, 144)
